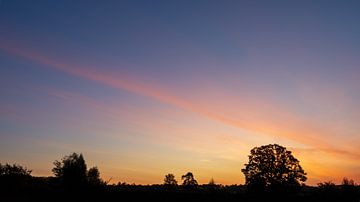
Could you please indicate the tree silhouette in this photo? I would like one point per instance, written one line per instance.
(212, 186)
(272, 166)
(189, 180)
(348, 182)
(348, 186)
(71, 170)
(14, 170)
(170, 180)
(93, 176)
(212, 182)
(13, 177)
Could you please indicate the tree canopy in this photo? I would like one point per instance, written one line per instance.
(170, 180)
(71, 169)
(272, 166)
(189, 180)
(14, 170)
(93, 176)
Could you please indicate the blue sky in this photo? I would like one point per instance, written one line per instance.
(144, 88)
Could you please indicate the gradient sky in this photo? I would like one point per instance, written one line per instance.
(146, 88)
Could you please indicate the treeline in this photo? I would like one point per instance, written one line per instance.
(272, 173)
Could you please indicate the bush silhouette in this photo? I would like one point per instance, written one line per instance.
(170, 180)
(272, 167)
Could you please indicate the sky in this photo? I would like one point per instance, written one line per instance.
(147, 88)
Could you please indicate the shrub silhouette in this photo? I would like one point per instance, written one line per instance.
(189, 180)
(170, 180)
(272, 167)
(327, 185)
(328, 189)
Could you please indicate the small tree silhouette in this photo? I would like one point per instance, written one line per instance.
(14, 170)
(93, 176)
(212, 182)
(348, 187)
(348, 182)
(272, 167)
(189, 180)
(170, 180)
(13, 177)
(71, 170)
(212, 186)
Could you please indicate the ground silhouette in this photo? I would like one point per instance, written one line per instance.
(74, 182)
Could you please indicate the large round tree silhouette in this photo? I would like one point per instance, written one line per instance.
(273, 167)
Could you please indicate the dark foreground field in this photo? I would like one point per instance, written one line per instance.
(47, 189)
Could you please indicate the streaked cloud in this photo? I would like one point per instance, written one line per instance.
(260, 119)
(293, 129)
